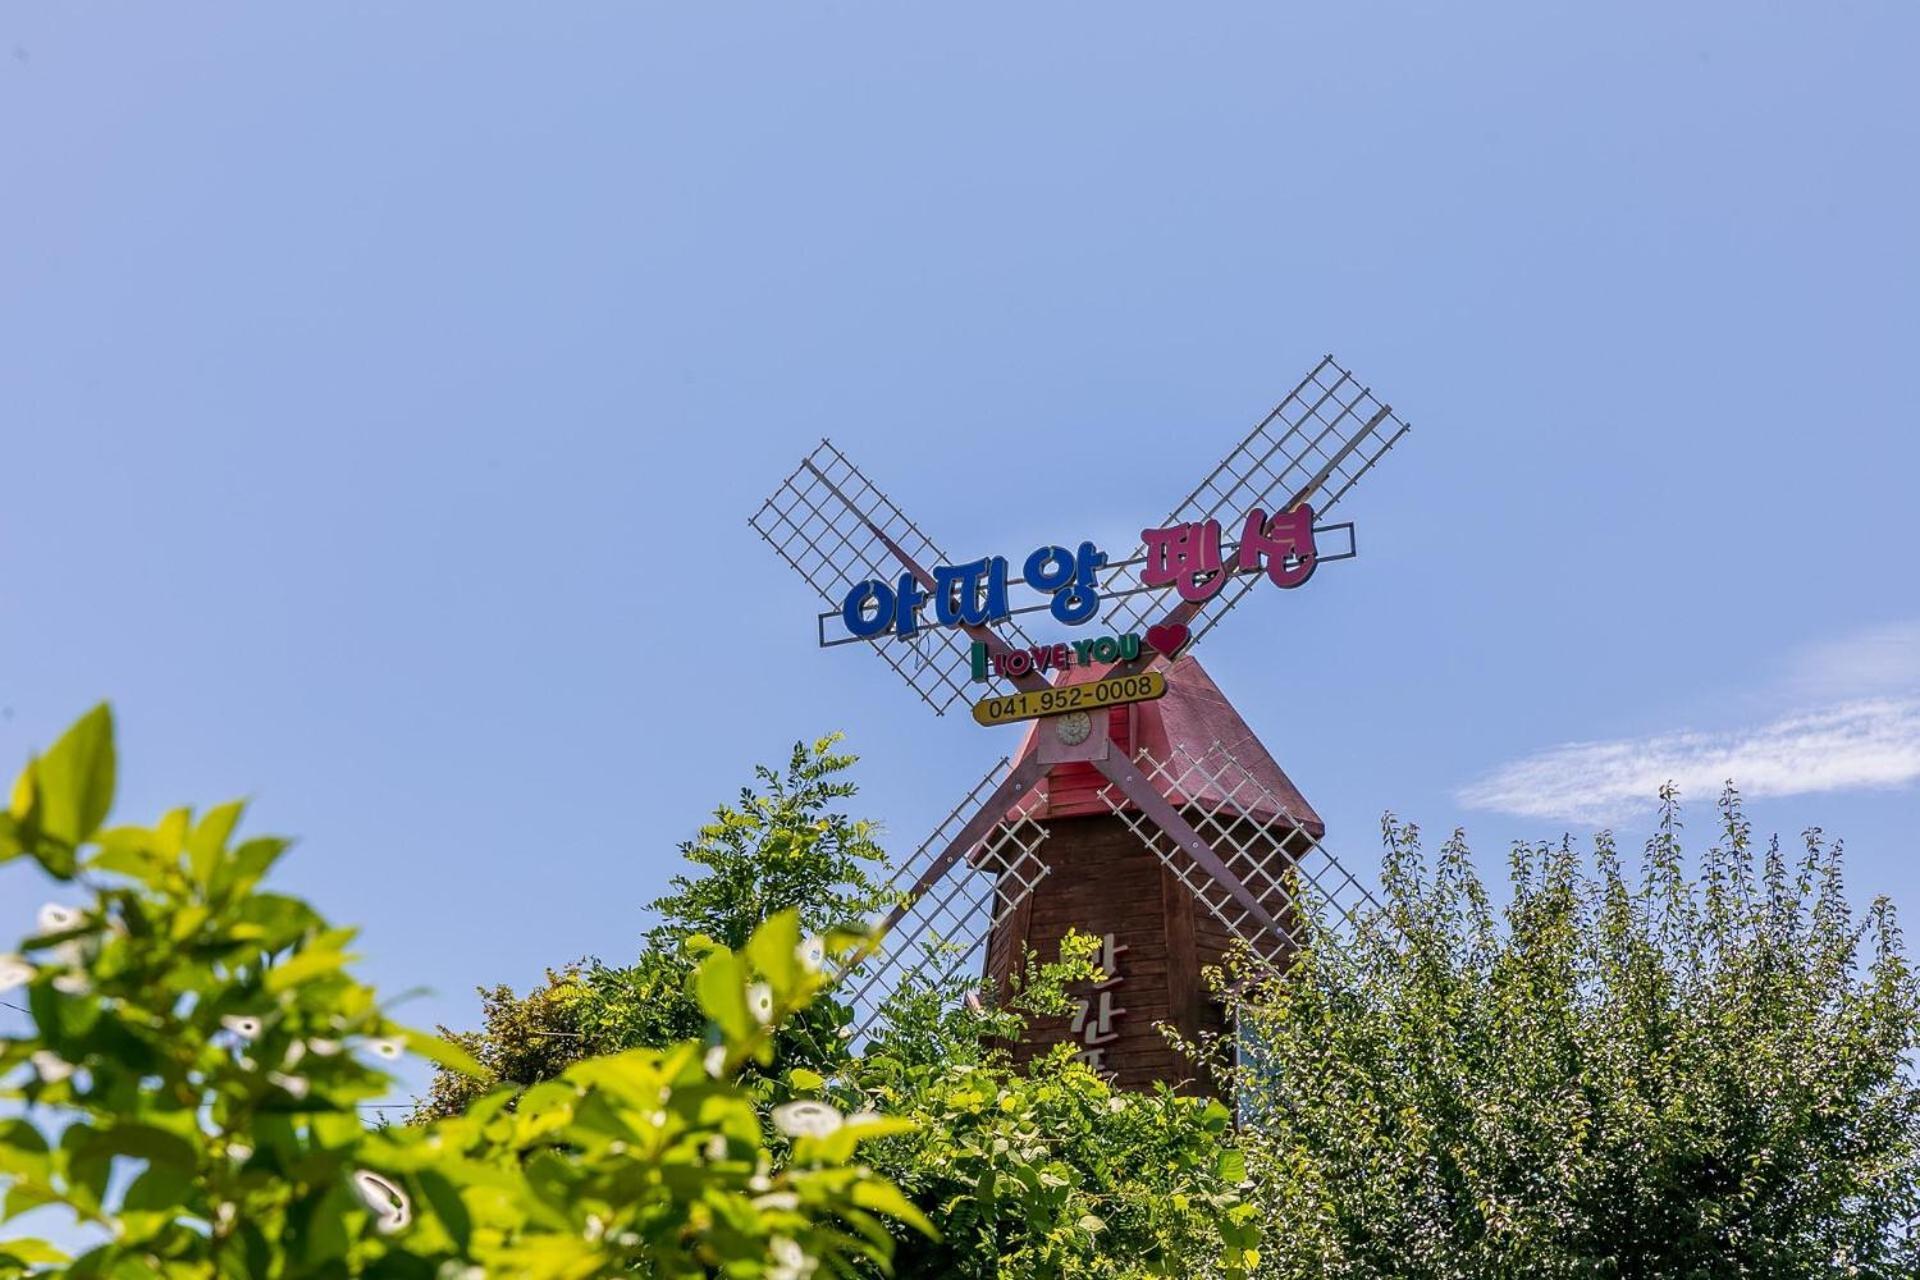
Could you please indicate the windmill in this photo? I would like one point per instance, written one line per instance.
(1140, 807)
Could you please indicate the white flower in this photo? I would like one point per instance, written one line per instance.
(296, 1086)
(55, 918)
(760, 1000)
(777, 1202)
(295, 1051)
(716, 1148)
(806, 1119)
(812, 954)
(325, 1048)
(716, 1060)
(14, 972)
(247, 1028)
(759, 1182)
(658, 1119)
(846, 1032)
(594, 1228)
(387, 1203)
(388, 1049)
(239, 1152)
(223, 1216)
(72, 984)
(1116, 1105)
(52, 1067)
(790, 1261)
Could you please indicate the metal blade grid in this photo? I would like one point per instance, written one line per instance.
(944, 932)
(831, 524)
(1259, 841)
(1316, 444)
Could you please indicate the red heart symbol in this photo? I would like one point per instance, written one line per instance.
(1167, 638)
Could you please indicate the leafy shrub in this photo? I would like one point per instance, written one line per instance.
(199, 1052)
(1668, 1078)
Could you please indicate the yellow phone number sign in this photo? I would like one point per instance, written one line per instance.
(1110, 692)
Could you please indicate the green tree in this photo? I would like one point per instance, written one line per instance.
(199, 1052)
(784, 846)
(1612, 1076)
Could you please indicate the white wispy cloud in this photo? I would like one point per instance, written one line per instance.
(1875, 661)
(1866, 735)
(1872, 743)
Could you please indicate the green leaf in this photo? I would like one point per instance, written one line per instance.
(721, 985)
(143, 1141)
(774, 951)
(804, 1080)
(129, 851)
(295, 970)
(447, 1206)
(884, 1197)
(23, 1149)
(160, 1189)
(208, 842)
(73, 783)
(22, 1197)
(250, 861)
(1230, 1165)
(445, 1053)
(28, 1253)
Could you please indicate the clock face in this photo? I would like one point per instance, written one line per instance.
(1073, 728)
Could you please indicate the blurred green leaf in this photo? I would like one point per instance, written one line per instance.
(445, 1053)
(721, 984)
(73, 783)
(207, 844)
(30, 1253)
(296, 969)
(774, 952)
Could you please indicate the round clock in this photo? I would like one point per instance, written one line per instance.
(1073, 728)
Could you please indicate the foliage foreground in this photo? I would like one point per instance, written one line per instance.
(1605, 1076)
(199, 1055)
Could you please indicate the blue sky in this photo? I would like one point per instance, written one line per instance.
(384, 390)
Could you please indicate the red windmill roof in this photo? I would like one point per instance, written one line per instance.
(1193, 716)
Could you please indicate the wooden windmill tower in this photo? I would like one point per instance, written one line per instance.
(1140, 808)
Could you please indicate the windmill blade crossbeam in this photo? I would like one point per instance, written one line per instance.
(942, 931)
(1315, 446)
(1250, 830)
(833, 526)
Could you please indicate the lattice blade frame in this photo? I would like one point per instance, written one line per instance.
(1330, 430)
(957, 912)
(832, 524)
(1260, 842)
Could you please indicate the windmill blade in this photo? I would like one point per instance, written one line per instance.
(1313, 447)
(837, 530)
(1265, 851)
(959, 886)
